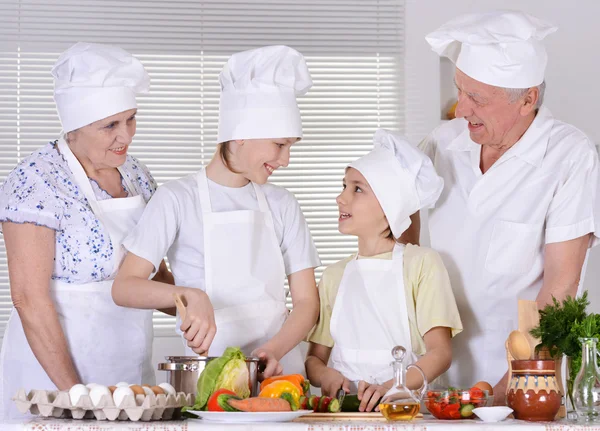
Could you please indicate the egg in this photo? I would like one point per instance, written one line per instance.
(76, 392)
(91, 385)
(148, 390)
(169, 390)
(97, 392)
(146, 385)
(122, 385)
(112, 388)
(484, 386)
(157, 390)
(121, 393)
(137, 389)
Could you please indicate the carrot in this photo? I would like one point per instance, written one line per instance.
(257, 404)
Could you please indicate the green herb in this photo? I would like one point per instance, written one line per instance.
(556, 322)
(561, 327)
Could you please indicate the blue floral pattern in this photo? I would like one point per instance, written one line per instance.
(41, 190)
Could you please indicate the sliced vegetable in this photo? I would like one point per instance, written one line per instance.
(303, 403)
(213, 405)
(279, 387)
(329, 405)
(466, 411)
(313, 402)
(260, 404)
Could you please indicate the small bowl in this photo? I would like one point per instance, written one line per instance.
(493, 414)
(451, 403)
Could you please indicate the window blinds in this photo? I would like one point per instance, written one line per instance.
(353, 48)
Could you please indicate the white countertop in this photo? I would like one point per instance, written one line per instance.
(428, 423)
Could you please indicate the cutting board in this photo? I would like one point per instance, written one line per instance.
(345, 417)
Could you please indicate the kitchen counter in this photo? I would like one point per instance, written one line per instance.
(192, 425)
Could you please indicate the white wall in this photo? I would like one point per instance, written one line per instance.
(573, 74)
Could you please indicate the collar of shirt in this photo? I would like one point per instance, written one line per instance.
(531, 148)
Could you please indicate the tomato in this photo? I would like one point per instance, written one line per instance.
(452, 411)
(213, 405)
(476, 393)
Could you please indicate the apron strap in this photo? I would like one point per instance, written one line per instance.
(81, 178)
(262, 200)
(203, 191)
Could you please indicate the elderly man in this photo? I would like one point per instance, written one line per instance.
(520, 205)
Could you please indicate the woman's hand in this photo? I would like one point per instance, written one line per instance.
(272, 365)
(369, 396)
(199, 328)
(332, 381)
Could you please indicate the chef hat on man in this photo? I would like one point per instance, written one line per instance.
(258, 94)
(93, 82)
(401, 176)
(500, 48)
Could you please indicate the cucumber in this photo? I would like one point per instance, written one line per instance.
(350, 403)
(466, 411)
(223, 401)
(333, 406)
(303, 403)
(324, 404)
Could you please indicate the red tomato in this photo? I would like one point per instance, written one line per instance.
(476, 393)
(213, 405)
(452, 411)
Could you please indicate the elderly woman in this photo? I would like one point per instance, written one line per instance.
(65, 210)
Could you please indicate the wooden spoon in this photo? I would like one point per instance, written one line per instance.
(518, 345)
(181, 309)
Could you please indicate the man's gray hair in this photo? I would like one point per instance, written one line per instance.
(515, 94)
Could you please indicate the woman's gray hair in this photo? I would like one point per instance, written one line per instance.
(515, 94)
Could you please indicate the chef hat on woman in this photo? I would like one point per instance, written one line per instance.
(401, 176)
(258, 94)
(93, 82)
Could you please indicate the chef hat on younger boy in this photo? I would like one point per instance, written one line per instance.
(401, 176)
(258, 94)
(93, 82)
(500, 48)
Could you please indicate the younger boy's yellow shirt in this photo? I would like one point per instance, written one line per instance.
(429, 296)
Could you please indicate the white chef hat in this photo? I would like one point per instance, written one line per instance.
(93, 81)
(500, 48)
(258, 94)
(401, 176)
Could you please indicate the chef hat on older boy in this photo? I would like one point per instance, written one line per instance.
(93, 82)
(258, 94)
(500, 48)
(401, 176)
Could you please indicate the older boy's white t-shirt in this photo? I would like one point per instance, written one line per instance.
(171, 225)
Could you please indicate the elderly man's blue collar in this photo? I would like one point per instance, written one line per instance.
(531, 147)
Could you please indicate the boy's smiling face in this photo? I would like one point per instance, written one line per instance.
(360, 213)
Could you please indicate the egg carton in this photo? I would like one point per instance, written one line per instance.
(58, 404)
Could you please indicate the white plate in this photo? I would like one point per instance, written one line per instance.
(240, 417)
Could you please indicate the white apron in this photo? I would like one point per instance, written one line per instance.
(107, 343)
(369, 318)
(244, 277)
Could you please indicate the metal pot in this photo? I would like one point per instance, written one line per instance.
(183, 372)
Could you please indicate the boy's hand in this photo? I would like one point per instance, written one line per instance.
(332, 381)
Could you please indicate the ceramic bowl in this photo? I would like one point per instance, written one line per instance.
(492, 414)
